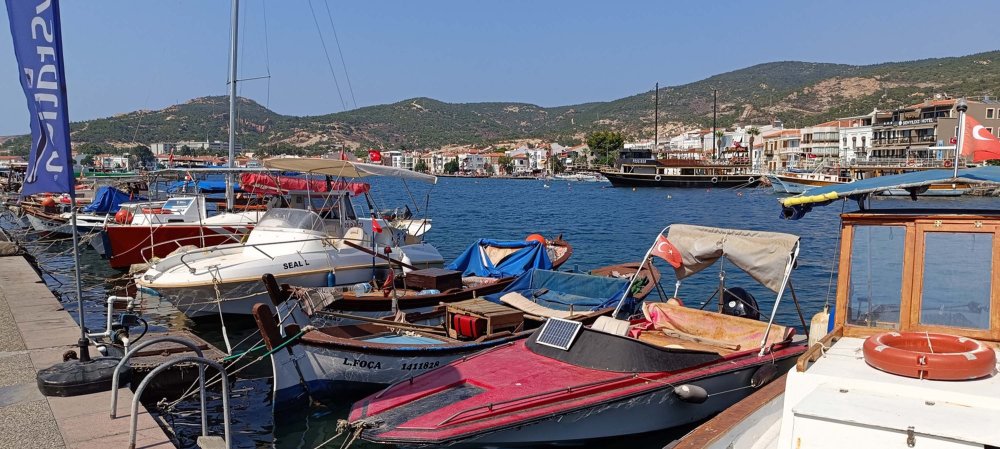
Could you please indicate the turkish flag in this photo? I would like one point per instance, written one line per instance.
(978, 142)
(374, 156)
(376, 228)
(665, 250)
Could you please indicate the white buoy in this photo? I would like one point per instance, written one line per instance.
(818, 325)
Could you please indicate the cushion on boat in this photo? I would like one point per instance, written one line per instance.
(611, 326)
(517, 301)
(713, 326)
(355, 235)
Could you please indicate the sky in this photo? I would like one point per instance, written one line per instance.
(124, 55)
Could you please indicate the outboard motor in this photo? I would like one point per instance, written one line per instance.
(739, 302)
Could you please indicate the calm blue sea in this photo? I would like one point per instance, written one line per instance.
(605, 225)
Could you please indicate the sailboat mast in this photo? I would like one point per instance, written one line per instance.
(656, 119)
(234, 25)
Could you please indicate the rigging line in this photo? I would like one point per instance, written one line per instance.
(327, 54)
(267, 55)
(326, 3)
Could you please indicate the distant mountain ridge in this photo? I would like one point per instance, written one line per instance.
(799, 93)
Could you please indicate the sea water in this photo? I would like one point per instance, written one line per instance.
(605, 225)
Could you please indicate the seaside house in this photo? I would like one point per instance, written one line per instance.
(855, 137)
(923, 134)
(820, 145)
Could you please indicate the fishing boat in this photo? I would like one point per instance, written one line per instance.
(569, 384)
(310, 247)
(333, 361)
(911, 357)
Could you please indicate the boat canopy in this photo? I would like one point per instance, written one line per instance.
(914, 182)
(108, 200)
(265, 184)
(198, 186)
(495, 258)
(282, 218)
(344, 169)
(763, 255)
(562, 290)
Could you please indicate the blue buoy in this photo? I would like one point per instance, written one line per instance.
(331, 279)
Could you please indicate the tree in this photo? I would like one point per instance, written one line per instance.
(451, 167)
(420, 166)
(753, 132)
(718, 139)
(87, 161)
(186, 151)
(604, 144)
(506, 164)
(143, 156)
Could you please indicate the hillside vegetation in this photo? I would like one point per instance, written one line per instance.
(799, 93)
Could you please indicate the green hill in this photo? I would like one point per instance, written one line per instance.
(799, 93)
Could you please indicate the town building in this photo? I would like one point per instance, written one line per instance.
(213, 147)
(855, 138)
(925, 132)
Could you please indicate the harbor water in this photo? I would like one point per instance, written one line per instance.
(605, 225)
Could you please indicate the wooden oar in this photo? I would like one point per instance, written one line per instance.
(380, 256)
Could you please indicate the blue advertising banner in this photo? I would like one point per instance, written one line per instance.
(36, 31)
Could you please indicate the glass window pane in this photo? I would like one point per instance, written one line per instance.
(876, 276)
(957, 279)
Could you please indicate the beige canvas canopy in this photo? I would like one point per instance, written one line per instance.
(345, 169)
(763, 255)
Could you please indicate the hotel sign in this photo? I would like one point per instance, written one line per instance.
(909, 122)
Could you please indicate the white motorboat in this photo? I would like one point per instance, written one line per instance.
(313, 247)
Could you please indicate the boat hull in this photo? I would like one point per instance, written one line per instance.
(652, 410)
(127, 245)
(682, 181)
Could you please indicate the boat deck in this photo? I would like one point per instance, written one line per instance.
(34, 333)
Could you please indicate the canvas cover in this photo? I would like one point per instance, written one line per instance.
(559, 290)
(762, 255)
(476, 260)
(344, 169)
(108, 200)
(265, 184)
(715, 326)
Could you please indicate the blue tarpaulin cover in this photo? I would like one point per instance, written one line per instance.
(202, 186)
(798, 205)
(108, 200)
(559, 289)
(474, 261)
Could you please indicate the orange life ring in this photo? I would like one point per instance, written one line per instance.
(929, 356)
(948, 163)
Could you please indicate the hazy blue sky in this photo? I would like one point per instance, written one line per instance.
(124, 55)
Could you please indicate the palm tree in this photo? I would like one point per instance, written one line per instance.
(718, 142)
(753, 132)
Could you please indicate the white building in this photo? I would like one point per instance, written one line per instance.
(216, 146)
(856, 137)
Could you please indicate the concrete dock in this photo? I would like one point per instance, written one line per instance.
(35, 331)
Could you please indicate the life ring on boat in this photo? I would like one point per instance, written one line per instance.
(910, 163)
(657, 177)
(926, 355)
(751, 180)
(948, 163)
(715, 180)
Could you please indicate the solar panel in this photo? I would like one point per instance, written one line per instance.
(558, 333)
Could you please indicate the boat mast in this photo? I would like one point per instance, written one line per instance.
(715, 106)
(234, 25)
(656, 120)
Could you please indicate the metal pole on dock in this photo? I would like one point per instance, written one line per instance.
(84, 342)
(961, 107)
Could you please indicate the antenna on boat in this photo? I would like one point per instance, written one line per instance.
(961, 107)
(235, 23)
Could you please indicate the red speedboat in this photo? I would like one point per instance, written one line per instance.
(568, 384)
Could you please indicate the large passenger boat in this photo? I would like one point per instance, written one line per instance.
(639, 168)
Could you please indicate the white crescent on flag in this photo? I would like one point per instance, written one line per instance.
(976, 133)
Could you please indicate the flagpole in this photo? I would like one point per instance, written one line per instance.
(961, 107)
(83, 343)
(636, 274)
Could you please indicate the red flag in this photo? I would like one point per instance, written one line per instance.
(374, 156)
(665, 250)
(343, 156)
(376, 228)
(978, 142)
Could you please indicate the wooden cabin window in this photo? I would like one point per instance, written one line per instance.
(876, 277)
(957, 279)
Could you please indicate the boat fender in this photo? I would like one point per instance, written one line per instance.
(818, 325)
(715, 180)
(691, 394)
(657, 177)
(764, 375)
(331, 279)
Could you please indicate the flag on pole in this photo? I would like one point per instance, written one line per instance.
(374, 156)
(665, 250)
(376, 228)
(37, 36)
(978, 143)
